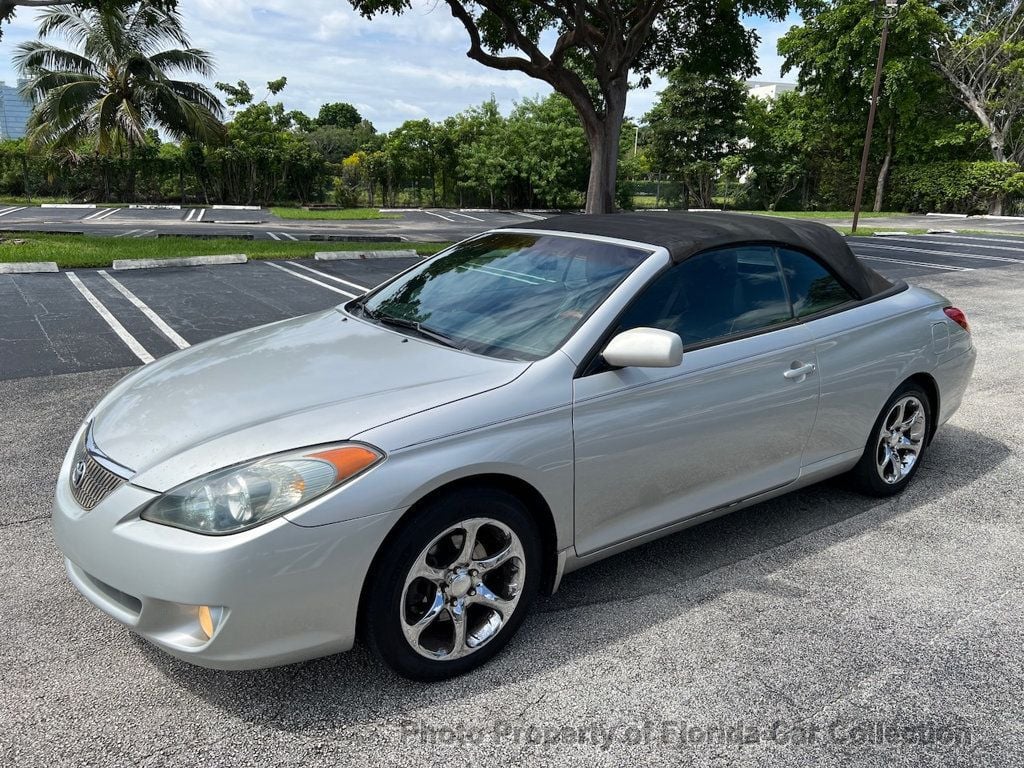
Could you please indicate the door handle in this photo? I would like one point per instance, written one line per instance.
(800, 371)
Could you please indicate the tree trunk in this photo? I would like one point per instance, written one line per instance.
(603, 138)
(883, 173)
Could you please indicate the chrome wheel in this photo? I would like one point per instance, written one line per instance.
(462, 589)
(901, 439)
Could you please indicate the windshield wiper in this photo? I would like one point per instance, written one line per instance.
(413, 325)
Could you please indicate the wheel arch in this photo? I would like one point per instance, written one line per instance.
(931, 388)
(534, 501)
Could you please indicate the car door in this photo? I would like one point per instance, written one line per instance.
(656, 446)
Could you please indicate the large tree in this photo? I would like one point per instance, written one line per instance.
(834, 52)
(596, 46)
(692, 127)
(117, 79)
(981, 53)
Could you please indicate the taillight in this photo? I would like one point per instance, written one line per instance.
(958, 317)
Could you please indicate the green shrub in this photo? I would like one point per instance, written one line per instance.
(959, 187)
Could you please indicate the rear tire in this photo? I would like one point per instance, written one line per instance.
(896, 445)
(451, 589)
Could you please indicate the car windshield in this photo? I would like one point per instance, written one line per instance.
(510, 295)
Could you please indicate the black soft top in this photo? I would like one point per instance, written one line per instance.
(686, 234)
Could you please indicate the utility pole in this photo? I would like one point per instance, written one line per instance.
(889, 10)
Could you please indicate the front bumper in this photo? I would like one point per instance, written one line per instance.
(287, 593)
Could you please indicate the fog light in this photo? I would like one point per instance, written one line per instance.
(206, 620)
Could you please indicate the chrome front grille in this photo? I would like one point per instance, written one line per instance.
(90, 481)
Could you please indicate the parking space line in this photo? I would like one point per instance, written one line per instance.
(951, 254)
(144, 232)
(290, 237)
(310, 279)
(275, 237)
(9, 211)
(357, 286)
(914, 263)
(126, 234)
(190, 214)
(431, 213)
(130, 341)
(465, 215)
(1008, 245)
(154, 318)
(104, 214)
(202, 213)
(527, 215)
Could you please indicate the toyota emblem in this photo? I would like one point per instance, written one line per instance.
(78, 474)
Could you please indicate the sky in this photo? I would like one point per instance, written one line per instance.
(391, 68)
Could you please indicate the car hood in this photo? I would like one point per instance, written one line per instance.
(310, 380)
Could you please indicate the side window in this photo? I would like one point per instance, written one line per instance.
(714, 294)
(812, 288)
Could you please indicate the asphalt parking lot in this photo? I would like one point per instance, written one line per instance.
(84, 320)
(408, 224)
(821, 628)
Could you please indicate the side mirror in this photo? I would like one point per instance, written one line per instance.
(644, 348)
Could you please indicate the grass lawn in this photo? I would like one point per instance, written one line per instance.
(86, 251)
(864, 231)
(829, 214)
(343, 214)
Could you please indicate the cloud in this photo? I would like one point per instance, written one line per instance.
(393, 68)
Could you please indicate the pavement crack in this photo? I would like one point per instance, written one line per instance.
(25, 520)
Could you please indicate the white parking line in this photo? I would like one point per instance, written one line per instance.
(953, 254)
(432, 213)
(9, 211)
(273, 235)
(1008, 245)
(310, 279)
(357, 286)
(914, 263)
(126, 234)
(290, 237)
(154, 318)
(202, 213)
(144, 232)
(464, 215)
(191, 213)
(104, 214)
(527, 215)
(130, 341)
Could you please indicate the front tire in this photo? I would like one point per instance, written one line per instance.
(897, 443)
(451, 589)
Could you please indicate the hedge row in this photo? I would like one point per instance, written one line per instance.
(957, 187)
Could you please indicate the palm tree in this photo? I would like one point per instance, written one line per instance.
(116, 79)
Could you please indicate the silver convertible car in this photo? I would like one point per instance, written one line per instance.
(415, 466)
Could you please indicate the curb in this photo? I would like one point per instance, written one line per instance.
(85, 206)
(190, 261)
(348, 255)
(211, 236)
(38, 232)
(891, 234)
(355, 239)
(948, 215)
(237, 208)
(27, 268)
(145, 207)
(941, 231)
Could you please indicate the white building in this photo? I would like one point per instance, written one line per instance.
(14, 111)
(760, 89)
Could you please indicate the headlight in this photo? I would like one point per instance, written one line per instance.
(240, 497)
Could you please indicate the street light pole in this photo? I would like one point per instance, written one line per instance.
(889, 12)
